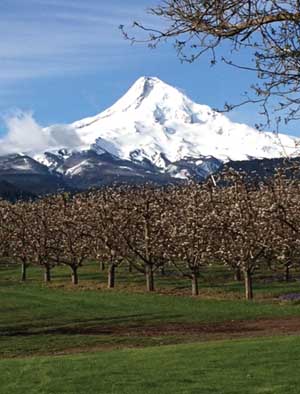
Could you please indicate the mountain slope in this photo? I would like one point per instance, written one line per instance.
(157, 122)
(153, 133)
(28, 176)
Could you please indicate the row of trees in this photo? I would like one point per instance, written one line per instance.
(226, 221)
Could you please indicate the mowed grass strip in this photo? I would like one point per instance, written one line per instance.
(33, 306)
(49, 319)
(29, 308)
(42, 320)
(225, 367)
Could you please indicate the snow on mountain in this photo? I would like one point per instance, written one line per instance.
(157, 127)
(21, 164)
(153, 133)
(157, 122)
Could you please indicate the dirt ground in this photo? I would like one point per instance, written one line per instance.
(229, 329)
(137, 336)
(246, 328)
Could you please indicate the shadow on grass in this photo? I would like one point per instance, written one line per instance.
(88, 326)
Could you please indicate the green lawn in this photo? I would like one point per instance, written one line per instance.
(88, 326)
(40, 319)
(57, 338)
(35, 318)
(226, 367)
(28, 308)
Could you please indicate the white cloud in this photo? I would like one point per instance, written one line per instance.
(25, 135)
(63, 136)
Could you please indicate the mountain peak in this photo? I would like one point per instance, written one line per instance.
(154, 120)
(143, 88)
(144, 85)
(148, 83)
(147, 94)
(148, 80)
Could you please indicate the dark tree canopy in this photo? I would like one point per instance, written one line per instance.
(269, 32)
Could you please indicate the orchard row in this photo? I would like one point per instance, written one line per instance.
(230, 221)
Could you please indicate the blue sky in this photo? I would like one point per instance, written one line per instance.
(66, 59)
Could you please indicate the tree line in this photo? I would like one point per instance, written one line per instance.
(226, 220)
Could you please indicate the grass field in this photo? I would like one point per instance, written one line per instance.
(249, 366)
(59, 339)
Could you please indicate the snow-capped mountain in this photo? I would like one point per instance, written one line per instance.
(154, 132)
(157, 124)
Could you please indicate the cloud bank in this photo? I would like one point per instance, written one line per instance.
(25, 135)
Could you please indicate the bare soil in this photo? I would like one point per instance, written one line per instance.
(243, 328)
(233, 328)
(137, 336)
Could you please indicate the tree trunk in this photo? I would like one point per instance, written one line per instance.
(162, 271)
(149, 278)
(287, 273)
(195, 287)
(23, 272)
(248, 285)
(102, 266)
(111, 276)
(129, 267)
(237, 274)
(149, 267)
(74, 275)
(47, 274)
